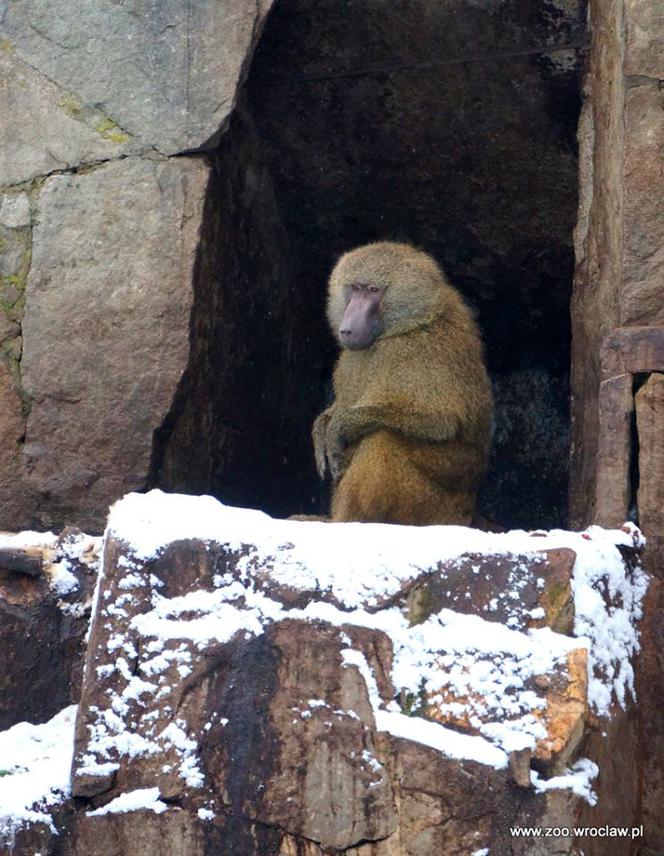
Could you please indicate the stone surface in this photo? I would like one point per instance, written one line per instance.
(650, 722)
(486, 585)
(112, 271)
(643, 38)
(13, 493)
(650, 427)
(166, 74)
(598, 245)
(43, 624)
(45, 128)
(618, 241)
(613, 484)
(240, 688)
(15, 211)
(642, 296)
(261, 727)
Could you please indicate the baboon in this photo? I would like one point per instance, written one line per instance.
(407, 437)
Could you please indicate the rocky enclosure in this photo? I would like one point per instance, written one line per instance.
(263, 687)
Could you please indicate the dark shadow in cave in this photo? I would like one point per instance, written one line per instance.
(447, 123)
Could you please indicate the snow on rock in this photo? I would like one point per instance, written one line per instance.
(142, 799)
(363, 563)
(35, 762)
(188, 585)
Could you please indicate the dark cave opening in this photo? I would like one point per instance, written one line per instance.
(450, 124)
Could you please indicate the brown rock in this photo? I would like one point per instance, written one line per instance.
(612, 479)
(13, 495)
(264, 741)
(642, 299)
(565, 713)
(650, 427)
(42, 630)
(112, 274)
(504, 588)
(643, 42)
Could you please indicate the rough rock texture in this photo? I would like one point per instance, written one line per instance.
(619, 242)
(100, 388)
(44, 614)
(598, 244)
(165, 74)
(99, 235)
(650, 427)
(244, 693)
(45, 128)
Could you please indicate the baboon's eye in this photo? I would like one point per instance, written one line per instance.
(374, 289)
(355, 287)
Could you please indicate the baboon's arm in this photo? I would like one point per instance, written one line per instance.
(319, 435)
(349, 426)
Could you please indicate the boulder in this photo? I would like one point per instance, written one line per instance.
(163, 75)
(112, 271)
(255, 686)
(46, 588)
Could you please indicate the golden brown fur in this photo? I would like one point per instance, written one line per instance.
(407, 436)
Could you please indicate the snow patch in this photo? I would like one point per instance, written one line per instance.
(35, 762)
(142, 799)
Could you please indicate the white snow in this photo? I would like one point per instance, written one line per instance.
(577, 778)
(145, 799)
(20, 540)
(35, 761)
(432, 734)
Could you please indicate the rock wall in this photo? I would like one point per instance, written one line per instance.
(163, 251)
(619, 239)
(271, 688)
(100, 224)
(618, 323)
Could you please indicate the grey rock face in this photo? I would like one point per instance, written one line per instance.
(45, 128)
(165, 73)
(106, 325)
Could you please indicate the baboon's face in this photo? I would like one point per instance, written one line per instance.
(361, 323)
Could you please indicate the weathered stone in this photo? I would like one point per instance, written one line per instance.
(15, 211)
(650, 427)
(598, 245)
(612, 478)
(642, 297)
(647, 742)
(13, 498)
(8, 328)
(13, 263)
(166, 74)
(644, 21)
(633, 350)
(564, 694)
(509, 589)
(272, 734)
(44, 621)
(112, 271)
(45, 128)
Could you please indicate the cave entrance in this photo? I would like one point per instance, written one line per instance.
(447, 123)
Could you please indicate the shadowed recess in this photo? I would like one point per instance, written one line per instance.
(447, 123)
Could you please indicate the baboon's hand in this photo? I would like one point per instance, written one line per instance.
(319, 434)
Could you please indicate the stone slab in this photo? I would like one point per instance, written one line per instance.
(165, 73)
(642, 298)
(106, 328)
